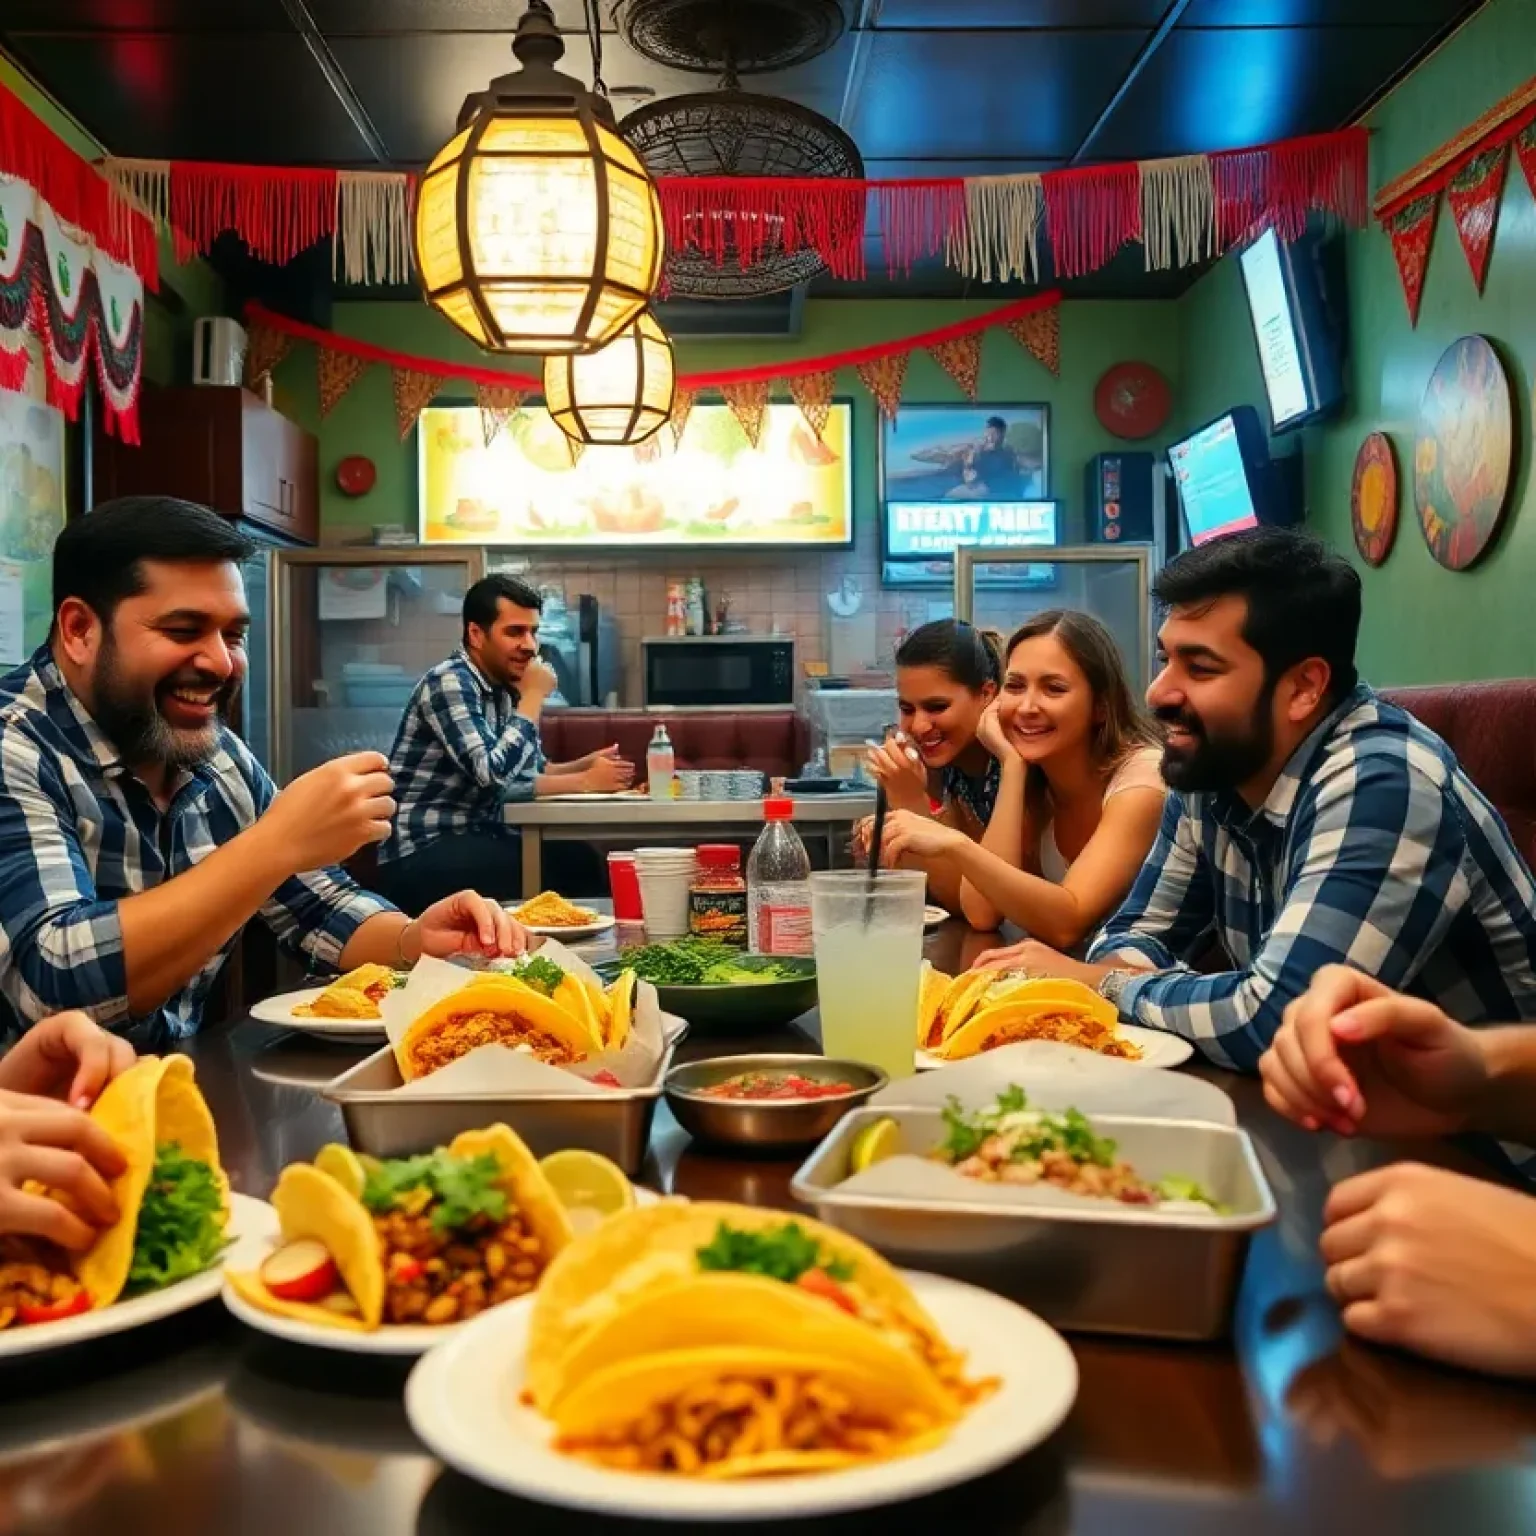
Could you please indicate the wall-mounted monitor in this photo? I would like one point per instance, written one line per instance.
(711, 490)
(1222, 475)
(918, 540)
(1295, 327)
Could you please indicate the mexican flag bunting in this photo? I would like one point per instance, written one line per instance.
(749, 404)
(682, 407)
(1039, 333)
(812, 392)
(1412, 229)
(338, 371)
(960, 358)
(883, 378)
(413, 393)
(498, 403)
(1474, 198)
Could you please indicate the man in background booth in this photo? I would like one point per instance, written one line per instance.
(468, 741)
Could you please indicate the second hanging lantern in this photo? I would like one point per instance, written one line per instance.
(619, 395)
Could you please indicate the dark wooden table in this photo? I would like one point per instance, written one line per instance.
(194, 1425)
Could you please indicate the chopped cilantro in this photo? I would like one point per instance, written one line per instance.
(536, 972)
(964, 1132)
(181, 1222)
(777, 1253)
(461, 1188)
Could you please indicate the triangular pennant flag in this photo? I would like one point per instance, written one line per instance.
(1474, 198)
(960, 358)
(749, 404)
(339, 371)
(1412, 230)
(577, 448)
(1039, 333)
(1525, 153)
(413, 391)
(812, 392)
(682, 408)
(883, 378)
(265, 349)
(498, 403)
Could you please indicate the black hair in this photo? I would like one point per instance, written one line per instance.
(1303, 600)
(481, 600)
(99, 558)
(963, 653)
(999, 423)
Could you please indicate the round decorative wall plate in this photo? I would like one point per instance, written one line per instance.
(1464, 455)
(1373, 498)
(355, 475)
(1132, 400)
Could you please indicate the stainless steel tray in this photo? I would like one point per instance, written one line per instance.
(386, 1124)
(1125, 1269)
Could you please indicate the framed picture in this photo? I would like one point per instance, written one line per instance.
(994, 453)
(32, 507)
(711, 489)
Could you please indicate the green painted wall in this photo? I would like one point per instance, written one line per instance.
(1094, 335)
(1422, 622)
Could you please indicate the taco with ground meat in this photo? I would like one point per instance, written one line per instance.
(433, 1239)
(494, 1010)
(357, 995)
(1043, 1009)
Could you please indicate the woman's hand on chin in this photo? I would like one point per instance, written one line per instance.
(990, 733)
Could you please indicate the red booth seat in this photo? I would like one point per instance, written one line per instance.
(775, 742)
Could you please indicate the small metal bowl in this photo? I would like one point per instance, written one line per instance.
(765, 1125)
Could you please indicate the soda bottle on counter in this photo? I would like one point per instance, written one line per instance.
(779, 883)
(660, 763)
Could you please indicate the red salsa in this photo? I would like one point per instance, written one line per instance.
(775, 1085)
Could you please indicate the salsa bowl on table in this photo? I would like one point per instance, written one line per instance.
(721, 989)
(768, 1103)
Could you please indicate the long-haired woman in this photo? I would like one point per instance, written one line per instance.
(1079, 796)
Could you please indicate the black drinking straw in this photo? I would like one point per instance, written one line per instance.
(876, 837)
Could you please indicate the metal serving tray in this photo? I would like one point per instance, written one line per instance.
(386, 1124)
(1125, 1269)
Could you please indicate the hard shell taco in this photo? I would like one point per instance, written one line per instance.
(494, 1010)
(932, 987)
(621, 1009)
(433, 1239)
(658, 1248)
(1043, 1009)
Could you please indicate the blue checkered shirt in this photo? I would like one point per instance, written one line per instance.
(1373, 849)
(78, 832)
(461, 748)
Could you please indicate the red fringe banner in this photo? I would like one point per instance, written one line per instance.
(277, 213)
(917, 219)
(740, 220)
(13, 369)
(1280, 184)
(1090, 214)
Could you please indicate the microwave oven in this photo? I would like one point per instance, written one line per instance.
(717, 671)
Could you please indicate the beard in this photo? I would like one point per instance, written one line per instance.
(1218, 762)
(130, 717)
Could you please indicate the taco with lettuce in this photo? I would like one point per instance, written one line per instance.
(433, 1239)
(598, 1290)
(172, 1200)
(495, 1010)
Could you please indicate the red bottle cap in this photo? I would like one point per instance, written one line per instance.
(719, 855)
(778, 808)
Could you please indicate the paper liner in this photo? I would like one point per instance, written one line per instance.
(505, 1070)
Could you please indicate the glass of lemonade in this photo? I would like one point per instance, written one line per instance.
(869, 956)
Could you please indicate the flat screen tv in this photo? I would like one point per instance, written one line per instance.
(1222, 475)
(1295, 328)
(711, 490)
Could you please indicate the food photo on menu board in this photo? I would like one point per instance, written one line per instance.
(712, 487)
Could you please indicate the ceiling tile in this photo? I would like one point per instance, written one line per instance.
(1028, 95)
(1207, 90)
(945, 15)
(374, 16)
(142, 16)
(1333, 13)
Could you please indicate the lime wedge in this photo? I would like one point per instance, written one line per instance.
(878, 1140)
(589, 1186)
(342, 1164)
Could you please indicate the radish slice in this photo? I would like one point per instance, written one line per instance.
(300, 1271)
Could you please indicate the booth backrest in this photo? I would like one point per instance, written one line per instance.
(1491, 727)
(775, 742)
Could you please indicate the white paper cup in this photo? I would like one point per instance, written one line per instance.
(664, 899)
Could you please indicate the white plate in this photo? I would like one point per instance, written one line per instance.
(252, 1224)
(279, 1010)
(580, 931)
(401, 1339)
(933, 916)
(1158, 1049)
(463, 1400)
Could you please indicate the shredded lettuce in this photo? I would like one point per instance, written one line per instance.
(181, 1222)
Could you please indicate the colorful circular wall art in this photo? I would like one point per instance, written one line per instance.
(1132, 400)
(1463, 460)
(1373, 498)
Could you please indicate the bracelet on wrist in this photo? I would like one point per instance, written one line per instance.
(402, 963)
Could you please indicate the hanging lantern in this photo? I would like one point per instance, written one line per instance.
(538, 229)
(620, 394)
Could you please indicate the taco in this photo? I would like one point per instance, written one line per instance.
(931, 989)
(659, 1247)
(493, 1010)
(172, 1199)
(621, 1009)
(965, 997)
(581, 999)
(1043, 1009)
(357, 995)
(730, 1412)
(434, 1239)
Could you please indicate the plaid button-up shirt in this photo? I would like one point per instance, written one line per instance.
(78, 832)
(461, 749)
(1373, 849)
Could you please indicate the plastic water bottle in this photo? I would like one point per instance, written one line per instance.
(779, 885)
(659, 764)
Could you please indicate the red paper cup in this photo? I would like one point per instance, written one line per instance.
(624, 887)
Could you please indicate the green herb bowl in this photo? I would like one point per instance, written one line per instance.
(743, 1006)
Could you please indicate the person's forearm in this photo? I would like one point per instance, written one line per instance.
(387, 938)
(171, 932)
(551, 782)
(1507, 1106)
(1043, 909)
(581, 765)
(530, 709)
(1003, 836)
